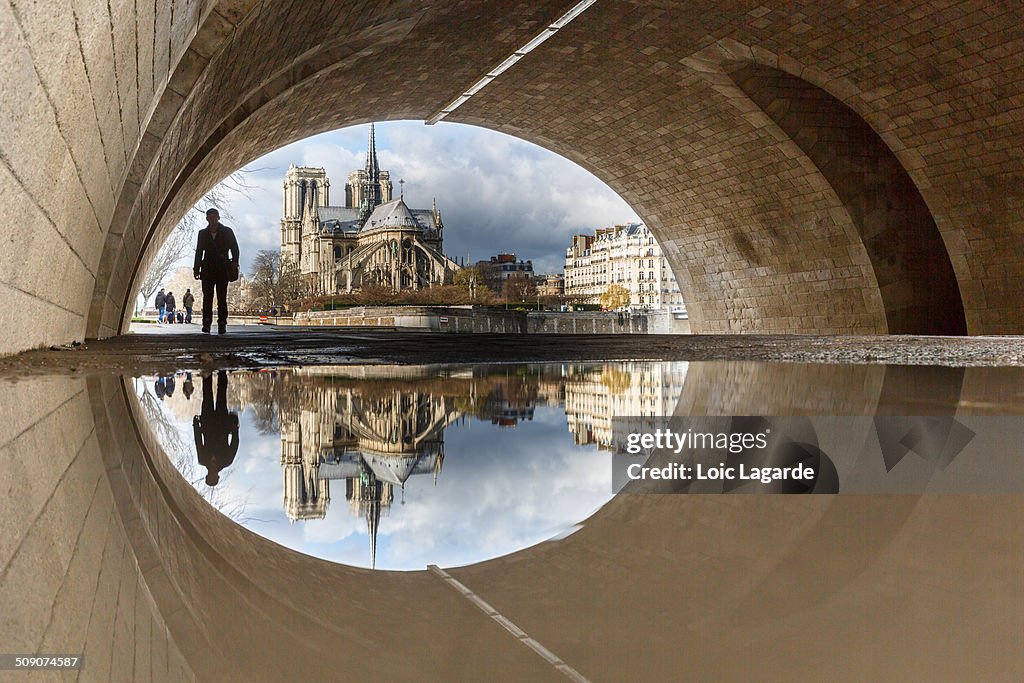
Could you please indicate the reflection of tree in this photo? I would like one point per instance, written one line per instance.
(182, 455)
(615, 380)
(270, 393)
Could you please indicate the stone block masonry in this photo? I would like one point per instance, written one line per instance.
(116, 117)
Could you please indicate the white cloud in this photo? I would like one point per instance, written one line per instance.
(496, 193)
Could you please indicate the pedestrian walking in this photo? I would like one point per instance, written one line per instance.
(187, 301)
(216, 264)
(169, 304)
(161, 300)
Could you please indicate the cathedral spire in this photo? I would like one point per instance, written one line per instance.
(371, 190)
(372, 168)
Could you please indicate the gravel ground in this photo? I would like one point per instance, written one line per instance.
(160, 350)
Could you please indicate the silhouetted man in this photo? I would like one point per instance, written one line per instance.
(216, 264)
(216, 430)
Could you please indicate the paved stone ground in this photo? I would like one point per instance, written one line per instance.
(166, 349)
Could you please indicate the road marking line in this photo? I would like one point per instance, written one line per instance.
(507, 624)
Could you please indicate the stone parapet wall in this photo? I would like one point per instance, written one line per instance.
(466, 319)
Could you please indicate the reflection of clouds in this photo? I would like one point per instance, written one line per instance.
(500, 490)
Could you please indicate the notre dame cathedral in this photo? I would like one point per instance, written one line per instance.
(372, 241)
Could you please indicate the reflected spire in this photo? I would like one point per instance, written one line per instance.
(372, 525)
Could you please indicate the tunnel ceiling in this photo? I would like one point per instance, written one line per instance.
(124, 115)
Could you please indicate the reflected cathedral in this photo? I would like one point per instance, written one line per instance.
(373, 440)
(378, 428)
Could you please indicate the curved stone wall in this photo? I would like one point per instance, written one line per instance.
(117, 116)
(108, 551)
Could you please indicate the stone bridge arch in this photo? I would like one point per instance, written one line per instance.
(133, 112)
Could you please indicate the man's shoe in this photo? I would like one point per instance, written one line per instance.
(206, 330)
(222, 330)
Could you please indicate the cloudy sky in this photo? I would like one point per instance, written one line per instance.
(496, 193)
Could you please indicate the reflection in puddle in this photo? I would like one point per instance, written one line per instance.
(438, 465)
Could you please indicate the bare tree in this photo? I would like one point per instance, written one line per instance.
(182, 239)
(274, 281)
(519, 289)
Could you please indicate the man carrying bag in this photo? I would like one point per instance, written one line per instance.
(216, 264)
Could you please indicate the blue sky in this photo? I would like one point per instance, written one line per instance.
(496, 193)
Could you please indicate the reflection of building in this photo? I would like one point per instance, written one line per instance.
(624, 255)
(376, 427)
(374, 440)
(593, 396)
(511, 402)
(372, 241)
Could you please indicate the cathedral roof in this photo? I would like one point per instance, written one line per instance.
(394, 214)
(338, 213)
(395, 469)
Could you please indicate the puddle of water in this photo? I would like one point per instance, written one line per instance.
(398, 467)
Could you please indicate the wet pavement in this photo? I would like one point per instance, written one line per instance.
(110, 509)
(151, 349)
(401, 467)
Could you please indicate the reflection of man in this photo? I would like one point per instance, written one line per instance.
(216, 430)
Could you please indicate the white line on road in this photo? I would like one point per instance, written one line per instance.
(519, 633)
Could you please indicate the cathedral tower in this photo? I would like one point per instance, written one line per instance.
(304, 186)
